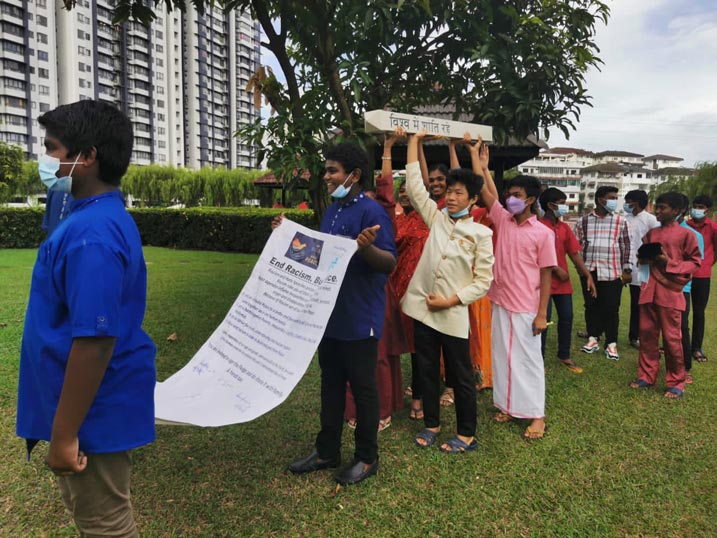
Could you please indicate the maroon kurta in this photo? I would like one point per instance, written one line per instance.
(662, 303)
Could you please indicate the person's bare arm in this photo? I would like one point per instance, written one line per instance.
(379, 259)
(85, 370)
(540, 323)
(577, 260)
(422, 163)
(455, 163)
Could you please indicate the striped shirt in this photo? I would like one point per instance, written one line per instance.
(605, 243)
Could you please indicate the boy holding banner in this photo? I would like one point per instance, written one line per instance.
(348, 350)
(454, 270)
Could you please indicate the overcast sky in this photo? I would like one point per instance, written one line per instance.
(657, 91)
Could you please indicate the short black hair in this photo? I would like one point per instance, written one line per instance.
(685, 202)
(530, 184)
(442, 168)
(351, 156)
(702, 199)
(471, 181)
(673, 199)
(604, 190)
(638, 196)
(551, 195)
(88, 124)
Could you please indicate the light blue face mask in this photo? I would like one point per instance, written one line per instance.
(341, 191)
(697, 213)
(627, 208)
(562, 210)
(611, 205)
(462, 213)
(49, 166)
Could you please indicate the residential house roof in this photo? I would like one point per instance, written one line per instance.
(661, 157)
(617, 153)
(605, 168)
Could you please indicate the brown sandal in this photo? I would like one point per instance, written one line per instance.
(447, 397)
(502, 417)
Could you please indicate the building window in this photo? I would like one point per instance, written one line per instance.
(44, 90)
(44, 107)
(42, 55)
(41, 20)
(43, 73)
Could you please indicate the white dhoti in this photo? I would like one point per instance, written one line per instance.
(518, 370)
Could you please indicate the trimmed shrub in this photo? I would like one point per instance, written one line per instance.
(21, 227)
(234, 229)
(221, 229)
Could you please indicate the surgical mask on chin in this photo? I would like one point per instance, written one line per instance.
(562, 210)
(515, 205)
(341, 191)
(48, 167)
(611, 205)
(462, 213)
(697, 213)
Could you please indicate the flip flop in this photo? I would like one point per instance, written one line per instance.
(570, 365)
(535, 435)
(409, 391)
(674, 390)
(458, 446)
(426, 435)
(415, 414)
(384, 423)
(640, 384)
(351, 423)
(447, 398)
(502, 417)
(699, 356)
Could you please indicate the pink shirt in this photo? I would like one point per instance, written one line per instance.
(520, 252)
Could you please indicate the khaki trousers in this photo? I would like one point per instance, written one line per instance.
(99, 497)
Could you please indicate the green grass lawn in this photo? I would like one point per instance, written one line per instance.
(616, 462)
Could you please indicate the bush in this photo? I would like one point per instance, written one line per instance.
(161, 186)
(227, 229)
(21, 228)
(222, 229)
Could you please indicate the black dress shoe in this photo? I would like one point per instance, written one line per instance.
(312, 463)
(356, 472)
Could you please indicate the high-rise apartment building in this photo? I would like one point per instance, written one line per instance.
(181, 80)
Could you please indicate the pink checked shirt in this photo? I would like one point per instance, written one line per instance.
(520, 252)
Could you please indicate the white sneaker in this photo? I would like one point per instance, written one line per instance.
(611, 352)
(591, 346)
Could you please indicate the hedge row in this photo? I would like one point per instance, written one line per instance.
(221, 229)
(21, 228)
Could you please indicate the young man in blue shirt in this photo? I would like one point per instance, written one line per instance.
(348, 350)
(87, 371)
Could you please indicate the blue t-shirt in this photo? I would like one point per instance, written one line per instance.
(701, 244)
(361, 303)
(90, 279)
(57, 207)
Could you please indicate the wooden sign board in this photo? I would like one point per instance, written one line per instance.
(382, 121)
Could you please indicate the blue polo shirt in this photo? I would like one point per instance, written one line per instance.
(361, 303)
(57, 207)
(89, 279)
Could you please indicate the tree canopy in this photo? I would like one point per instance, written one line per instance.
(519, 66)
(703, 181)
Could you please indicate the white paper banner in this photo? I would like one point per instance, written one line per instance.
(261, 350)
(377, 121)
